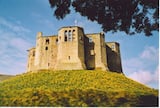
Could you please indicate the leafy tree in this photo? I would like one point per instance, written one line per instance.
(130, 16)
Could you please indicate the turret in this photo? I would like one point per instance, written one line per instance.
(39, 35)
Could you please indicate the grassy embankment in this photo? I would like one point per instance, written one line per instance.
(3, 77)
(75, 88)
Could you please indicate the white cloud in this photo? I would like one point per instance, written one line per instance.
(143, 76)
(14, 42)
(20, 44)
(133, 63)
(156, 74)
(150, 53)
(143, 67)
(12, 26)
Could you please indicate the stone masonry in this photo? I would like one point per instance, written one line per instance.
(71, 49)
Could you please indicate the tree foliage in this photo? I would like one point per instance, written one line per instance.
(130, 16)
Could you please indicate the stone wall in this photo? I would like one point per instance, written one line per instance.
(99, 50)
(72, 49)
(113, 56)
(48, 52)
(89, 54)
(31, 59)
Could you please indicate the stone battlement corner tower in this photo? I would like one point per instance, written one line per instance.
(72, 49)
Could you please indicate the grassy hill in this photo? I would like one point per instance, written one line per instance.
(75, 88)
(4, 77)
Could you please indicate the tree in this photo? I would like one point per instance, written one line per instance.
(130, 16)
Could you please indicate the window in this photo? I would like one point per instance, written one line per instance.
(56, 41)
(47, 41)
(73, 34)
(69, 57)
(80, 38)
(59, 37)
(90, 40)
(92, 52)
(46, 48)
(33, 53)
(69, 35)
(112, 47)
(65, 33)
(65, 36)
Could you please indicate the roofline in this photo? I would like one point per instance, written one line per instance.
(31, 48)
(50, 36)
(96, 33)
(70, 27)
(92, 33)
(112, 42)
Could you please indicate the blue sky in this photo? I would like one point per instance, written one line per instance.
(20, 20)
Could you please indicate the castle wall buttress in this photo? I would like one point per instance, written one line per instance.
(89, 54)
(103, 50)
(81, 50)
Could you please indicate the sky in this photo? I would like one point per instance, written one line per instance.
(20, 20)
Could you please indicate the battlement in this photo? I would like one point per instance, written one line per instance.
(72, 49)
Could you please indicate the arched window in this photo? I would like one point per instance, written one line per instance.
(113, 47)
(65, 33)
(46, 48)
(57, 41)
(69, 35)
(73, 34)
(81, 38)
(65, 36)
(90, 40)
(47, 41)
(33, 53)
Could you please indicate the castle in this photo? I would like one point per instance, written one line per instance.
(71, 49)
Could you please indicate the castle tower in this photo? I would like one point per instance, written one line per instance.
(113, 56)
(38, 51)
(99, 51)
(70, 49)
(31, 58)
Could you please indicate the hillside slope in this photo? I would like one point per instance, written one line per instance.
(4, 77)
(75, 88)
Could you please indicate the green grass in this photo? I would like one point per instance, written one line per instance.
(75, 88)
(4, 77)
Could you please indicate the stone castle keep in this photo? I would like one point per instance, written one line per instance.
(71, 49)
